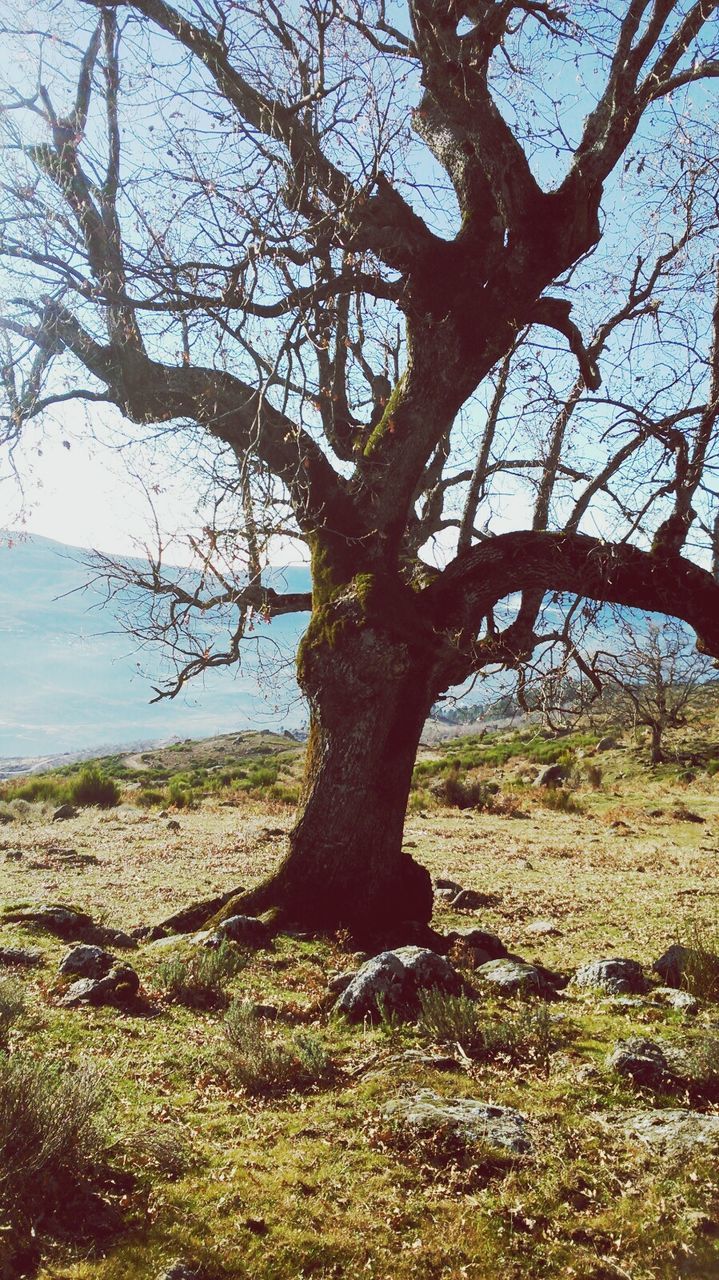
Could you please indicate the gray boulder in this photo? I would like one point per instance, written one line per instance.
(84, 961)
(246, 931)
(552, 775)
(668, 1132)
(464, 1120)
(25, 958)
(390, 983)
(339, 982)
(615, 976)
(607, 744)
(118, 987)
(479, 940)
(472, 900)
(185, 1271)
(682, 1001)
(664, 1067)
(510, 977)
(677, 961)
(643, 1061)
(543, 929)
(69, 924)
(64, 812)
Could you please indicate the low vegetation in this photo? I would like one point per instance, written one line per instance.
(232, 1119)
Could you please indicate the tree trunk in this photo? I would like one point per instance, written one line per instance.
(370, 682)
(657, 755)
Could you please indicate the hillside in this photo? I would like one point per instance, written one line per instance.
(72, 680)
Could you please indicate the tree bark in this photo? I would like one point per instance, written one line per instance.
(370, 681)
(657, 755)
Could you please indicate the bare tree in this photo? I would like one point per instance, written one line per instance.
(656, 673)
(436, 280)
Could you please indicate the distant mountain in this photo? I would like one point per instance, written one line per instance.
(71, 679)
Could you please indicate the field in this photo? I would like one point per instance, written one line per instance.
(256, 1145)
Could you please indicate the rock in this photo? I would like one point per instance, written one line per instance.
(339, 982)
(543, 929)
(668, 1132)
(615, 976)
(185, 1271)
(552, 775)
(85, 961)
(26, 958)
(607, 744)
(510, 977)
(390, 983)
(445, 885)
(682, 1001)
(173, 825)
(466, 1120)
(64, 812)
(664, 1067)
(687, 815)
(118, 987)
(642, 1060)
(69, 924)
(269, 1012)
(479, 940)
(471, 900)
(246, 931)
(678, 960)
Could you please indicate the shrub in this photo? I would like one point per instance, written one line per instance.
(93, 787)
(199, 982)
(180, 795)
(701, 970)
(524, 1036)
(559, 799)
(459, 793)
(263, 1062)
(594, 775)
(50, 1139)
(12, 1007)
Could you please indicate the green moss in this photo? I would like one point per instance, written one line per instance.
(383, 425)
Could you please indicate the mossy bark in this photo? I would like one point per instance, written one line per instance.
(370, 685)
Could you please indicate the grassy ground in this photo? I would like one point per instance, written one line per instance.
(311, 1180)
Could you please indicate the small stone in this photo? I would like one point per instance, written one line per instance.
(24, 958)
(511, 977)
(64, 812)
(682, 1001)
(85, 961)
(543, 929)
(246, 931)
(339, 982)
(642, 1060)
(173, 825)
(465, 1120)
(185, 1271)
(552, 775)
(615, 976)
(480, 939)
(119, 986)
(471, 900)
(677, 960)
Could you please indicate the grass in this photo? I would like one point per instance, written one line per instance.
(264, 1062)
(12, 1007)
(259, 1147)
(51, 1144)
(200, 980)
